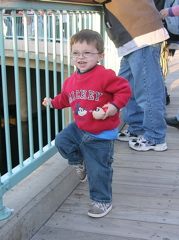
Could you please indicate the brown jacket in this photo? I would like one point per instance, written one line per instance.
(131, 19)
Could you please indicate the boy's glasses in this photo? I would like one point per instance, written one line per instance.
(83, 54)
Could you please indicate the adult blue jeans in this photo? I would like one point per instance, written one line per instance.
(78, 146)
(145, 112)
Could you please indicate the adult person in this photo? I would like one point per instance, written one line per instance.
(165, 52)
(137, 31)
(171, 12)
(7, 23)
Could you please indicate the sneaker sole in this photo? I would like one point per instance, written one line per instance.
(173, 126)
(159, 148)
(100, 215)
(83, 180)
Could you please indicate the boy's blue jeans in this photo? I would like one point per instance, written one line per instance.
(78, 146)
(145, 112)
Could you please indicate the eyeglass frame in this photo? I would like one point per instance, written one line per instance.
(83, 54)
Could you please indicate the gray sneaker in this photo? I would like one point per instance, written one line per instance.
(81, 172)
(98, 209)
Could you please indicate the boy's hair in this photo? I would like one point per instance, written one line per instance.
(88, 36)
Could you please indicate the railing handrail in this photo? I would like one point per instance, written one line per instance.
(48, 5)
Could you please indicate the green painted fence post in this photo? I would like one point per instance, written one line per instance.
(4, 211)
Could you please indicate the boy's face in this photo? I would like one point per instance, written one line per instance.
(85, 56)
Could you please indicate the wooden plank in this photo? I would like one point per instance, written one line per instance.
(53, 233)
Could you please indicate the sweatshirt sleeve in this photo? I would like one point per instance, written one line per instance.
(60, 101)
(120, 89)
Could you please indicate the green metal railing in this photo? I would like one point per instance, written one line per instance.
(39, 61)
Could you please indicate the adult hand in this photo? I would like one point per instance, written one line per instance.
(164, 12)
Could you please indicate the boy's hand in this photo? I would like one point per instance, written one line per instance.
(111, 110)
(47, 102)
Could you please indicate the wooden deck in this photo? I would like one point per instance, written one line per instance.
(145, 193)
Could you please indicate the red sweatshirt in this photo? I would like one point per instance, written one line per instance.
(87, 91)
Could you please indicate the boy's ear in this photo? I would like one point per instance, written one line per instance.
(101, 56)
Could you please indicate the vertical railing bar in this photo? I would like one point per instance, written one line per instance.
(74, 22)
(68, 45)
(17, 87)
(29, 99)
(80, 20)
(85, 20)
(47, 87)
(5, 97)
(61, 59)
(48, 26)
(90, 20)
(68, 57)
(38, 88)
(95, 19)
(55, 68)
(103, 33)
(102, 25)
(74, 26)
